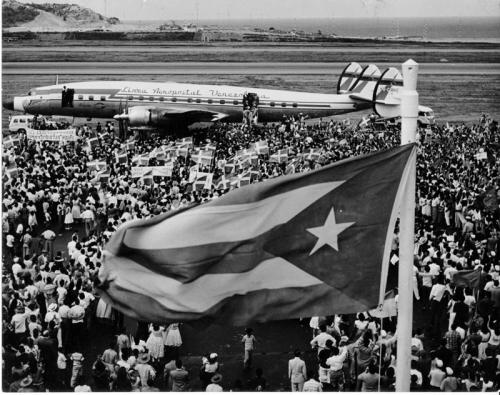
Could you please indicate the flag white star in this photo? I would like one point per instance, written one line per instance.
(329, 232)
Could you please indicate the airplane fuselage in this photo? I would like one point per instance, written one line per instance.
(105, 99)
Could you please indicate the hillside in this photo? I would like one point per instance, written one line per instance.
(51, 16)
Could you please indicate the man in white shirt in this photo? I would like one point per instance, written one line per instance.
(320, 340)
(335, 362)
(88, 218)
(435, 269)
(450, 270)
(49, 237)
(297, 372)
(19, 322)
(437, 304)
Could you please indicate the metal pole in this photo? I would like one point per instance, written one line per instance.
(409, 113)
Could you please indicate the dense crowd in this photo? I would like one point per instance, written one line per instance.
(51, 189)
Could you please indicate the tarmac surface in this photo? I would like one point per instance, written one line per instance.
(237, 68)
(240, 49)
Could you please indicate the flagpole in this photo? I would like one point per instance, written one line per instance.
(409, 113)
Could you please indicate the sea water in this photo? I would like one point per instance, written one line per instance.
(485, 29)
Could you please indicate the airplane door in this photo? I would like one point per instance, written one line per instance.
(250, 108)
(67, 96)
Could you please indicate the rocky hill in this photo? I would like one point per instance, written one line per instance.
(51, 16)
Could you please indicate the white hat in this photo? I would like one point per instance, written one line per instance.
(213, 355)
(449, 371)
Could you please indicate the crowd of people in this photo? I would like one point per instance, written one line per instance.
(85, 189)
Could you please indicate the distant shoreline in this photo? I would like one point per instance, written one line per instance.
(222, 38)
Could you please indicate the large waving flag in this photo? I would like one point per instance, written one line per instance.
(302, 245)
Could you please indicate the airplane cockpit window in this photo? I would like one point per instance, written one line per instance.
(67, 97)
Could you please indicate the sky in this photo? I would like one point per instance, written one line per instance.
(295, 9)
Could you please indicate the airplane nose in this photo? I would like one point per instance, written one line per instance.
(8, 105)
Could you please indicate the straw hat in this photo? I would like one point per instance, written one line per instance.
(26, 382)
(216, 378)
(143, 358)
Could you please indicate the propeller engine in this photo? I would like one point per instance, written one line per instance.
(141, 116)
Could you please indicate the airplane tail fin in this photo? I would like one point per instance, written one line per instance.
(386, 95)
(348, 77)
(368, 84)
(365, 84)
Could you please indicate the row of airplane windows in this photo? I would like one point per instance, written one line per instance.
(189, 100)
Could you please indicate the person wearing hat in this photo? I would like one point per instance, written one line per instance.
(209, 367)
(145, 370)
(19, 322)
(336, 364)
(26, 385)
(215, 386)
(52, 314)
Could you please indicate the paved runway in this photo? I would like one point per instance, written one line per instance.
(217, 49)
(240, 68)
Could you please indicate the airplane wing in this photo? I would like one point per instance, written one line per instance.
(156, 116)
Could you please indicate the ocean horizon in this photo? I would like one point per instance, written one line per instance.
(436, 29)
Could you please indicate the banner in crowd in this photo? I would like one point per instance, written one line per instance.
(481, 155)
(11, 141)
(51, 135)
(467, 278)
(160, 171)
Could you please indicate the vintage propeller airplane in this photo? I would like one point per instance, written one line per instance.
(163, 105)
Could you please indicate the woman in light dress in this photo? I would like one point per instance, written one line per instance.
(155, 341)
(485, 337)
(32, 221)
(172, 340)
(103, 310)
(427, 209)
(76, 211)
(173, 336)
(68, 218)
